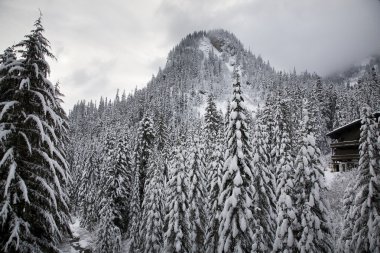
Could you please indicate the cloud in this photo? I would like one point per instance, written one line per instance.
(321, 36)
(105, 45)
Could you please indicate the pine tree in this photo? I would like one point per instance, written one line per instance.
(113, 193)
(263, 191)
(236, 219)
(344, 244)
(108, 233)
(143, 150)
(286, 213)
(33, 167)
(319, 115)
(270, 141)
(197, 194)
(121, 185)
(177, 234)
(134, 215)
(366, 230)
(227, 117)
(375, 88)
(369, 90)
(88, 192)
(214, 131)
(212, 121)
(314, 234)
(151, 228)
(214, 168)
(161, 134)
(10, 68)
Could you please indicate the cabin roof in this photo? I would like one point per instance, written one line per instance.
(334, 134)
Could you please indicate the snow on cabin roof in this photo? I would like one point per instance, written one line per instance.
(336, 132)
(356, 123)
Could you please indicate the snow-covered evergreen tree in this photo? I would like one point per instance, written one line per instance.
(314, 234)
(268, 117)
(121, 184)
(366, 230)
(263, 195)
(227, 117)
(236, 219)
(213, 121)
(151, 228)
(161, 134)
(33, 168)
(214, 160)
(134, 215)
(283, 138)
(195, 168)
(143, 150)
(215, 170)
(113, 193)
(286, 214)
(88, 192)
(177, 235)
(344, 244)
(108, 233)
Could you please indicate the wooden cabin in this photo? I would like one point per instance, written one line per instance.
(345, 146)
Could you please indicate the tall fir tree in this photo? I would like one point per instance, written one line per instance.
(227, 117)
(236, 219)
(213, 121)
(122, 180)
(314, 234)
(195, 168)
(286, 213)
(162, 134)
(214, 160)
(366, 230)
(113, 193)
(214, 179)
(108, 233)
(134, 215)
(263, 190)
(177, 234)
(269, 118)
(151, 228)
(143, 150)
(344, 244)
(88, 197)
(33, 167)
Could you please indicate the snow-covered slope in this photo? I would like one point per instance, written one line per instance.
(230, 62)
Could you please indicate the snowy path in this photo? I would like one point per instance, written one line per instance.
(329, 177)
(81, 241)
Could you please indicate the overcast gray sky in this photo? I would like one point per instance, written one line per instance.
(105, 45)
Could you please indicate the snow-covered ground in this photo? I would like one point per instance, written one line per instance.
(81, 242)
(205, 46)
(230, 62)
(329, 177)
(336, 183)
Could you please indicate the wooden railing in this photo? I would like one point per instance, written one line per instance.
(345, 157)
(344, 144)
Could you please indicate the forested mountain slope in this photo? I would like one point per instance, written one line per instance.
(218, 153)
(201, 65)
(171, 124)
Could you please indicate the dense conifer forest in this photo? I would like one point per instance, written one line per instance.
(219, 152)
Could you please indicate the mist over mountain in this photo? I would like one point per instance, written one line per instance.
(202, 64)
